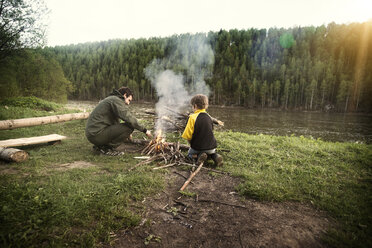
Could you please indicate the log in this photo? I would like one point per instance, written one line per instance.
(13, 154)
(31, 141)
(35, 121)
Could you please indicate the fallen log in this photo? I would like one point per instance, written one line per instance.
(35, 121)
(32, 140)
(13, 154)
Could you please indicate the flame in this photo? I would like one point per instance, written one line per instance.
(159, 136)
(159, 141)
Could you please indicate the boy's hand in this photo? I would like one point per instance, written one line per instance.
(220, 123)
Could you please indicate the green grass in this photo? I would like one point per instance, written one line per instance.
(336, 177)
(26, 107)
(82, 207)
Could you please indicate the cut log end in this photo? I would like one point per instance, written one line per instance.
(13, 155)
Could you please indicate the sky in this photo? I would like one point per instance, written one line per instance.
(80, 21)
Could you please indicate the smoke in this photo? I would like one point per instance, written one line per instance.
(180, 75)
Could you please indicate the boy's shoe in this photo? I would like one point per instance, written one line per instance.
(201, 158)
(218, 160)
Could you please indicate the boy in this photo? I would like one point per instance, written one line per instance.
(199, 132)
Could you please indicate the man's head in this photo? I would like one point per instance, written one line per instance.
(199, 101)
(127, 94)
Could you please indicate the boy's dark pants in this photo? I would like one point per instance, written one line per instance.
(112, 136)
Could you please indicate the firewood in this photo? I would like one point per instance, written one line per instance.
(147, 142)
(164, 166)
(13, 154)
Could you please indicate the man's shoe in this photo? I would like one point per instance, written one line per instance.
(218, 160)
(106, 151)
(201, 158)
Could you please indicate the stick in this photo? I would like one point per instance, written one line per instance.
(224, 203)
(154, 158)
(191, 176)
(164, 166)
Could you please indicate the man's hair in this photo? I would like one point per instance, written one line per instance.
(200, 100)
(125, 90)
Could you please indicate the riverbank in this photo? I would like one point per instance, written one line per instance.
(64, 195)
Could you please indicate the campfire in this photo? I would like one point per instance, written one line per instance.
(157, 145)
(158, 149)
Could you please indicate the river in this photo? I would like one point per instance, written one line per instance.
(339, 127)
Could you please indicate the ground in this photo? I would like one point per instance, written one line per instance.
(216, 216)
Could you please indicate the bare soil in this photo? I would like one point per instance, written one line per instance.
(216, 216)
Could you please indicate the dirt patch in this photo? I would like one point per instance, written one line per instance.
(8, 171)
(73, 165)
(218, 217)
(129, 148)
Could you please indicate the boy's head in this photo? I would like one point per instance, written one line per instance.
(199, 101)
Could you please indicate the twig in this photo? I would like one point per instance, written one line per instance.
(180, 203)
(191, 176)
(164, 166)
(154, 158)
(224, 203)
(181, 175)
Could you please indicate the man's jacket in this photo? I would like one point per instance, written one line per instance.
(109, 112)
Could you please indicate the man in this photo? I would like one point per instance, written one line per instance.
(104, 129)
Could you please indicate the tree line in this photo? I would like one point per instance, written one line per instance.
(312, 68)
(307, 68)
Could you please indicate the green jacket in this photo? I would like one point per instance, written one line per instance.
(109, 112)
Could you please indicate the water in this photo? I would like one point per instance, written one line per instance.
(326, 126)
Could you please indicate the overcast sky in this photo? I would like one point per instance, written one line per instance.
(78, 21)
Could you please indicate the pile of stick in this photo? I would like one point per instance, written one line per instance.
(159, 150)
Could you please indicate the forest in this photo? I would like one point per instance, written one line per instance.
(327, 68)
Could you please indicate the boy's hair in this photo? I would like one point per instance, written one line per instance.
(125, 90)
(200, 100)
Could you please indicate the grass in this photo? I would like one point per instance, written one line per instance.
(336, 177)
(43, 206)
(26, 107)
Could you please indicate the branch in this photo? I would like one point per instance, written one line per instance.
(191, 177)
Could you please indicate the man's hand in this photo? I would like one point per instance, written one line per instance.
(148, 134)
